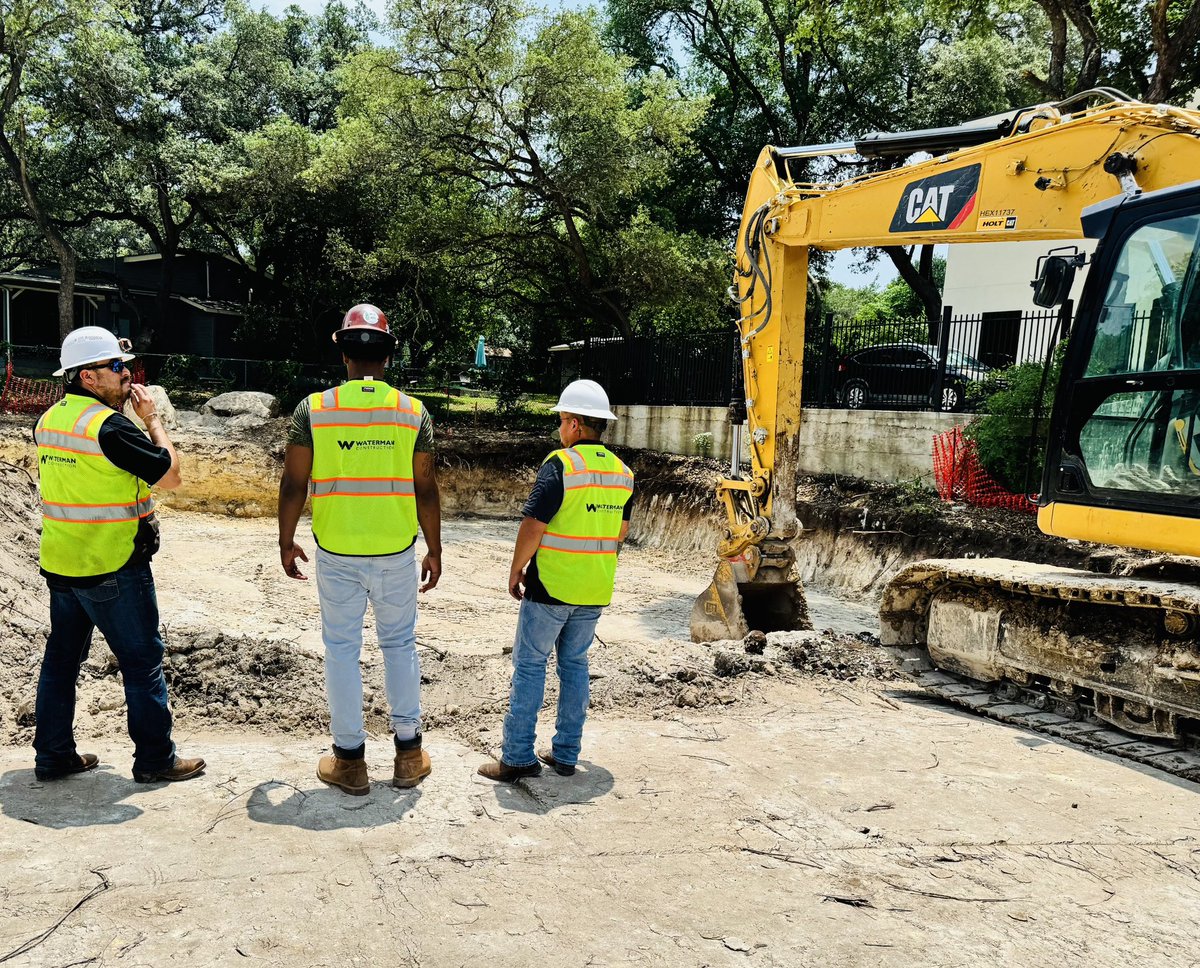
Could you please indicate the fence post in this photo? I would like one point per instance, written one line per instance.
(823, 375)
(943, 350)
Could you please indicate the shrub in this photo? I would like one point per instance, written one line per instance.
(283, 380)
(1001, 434)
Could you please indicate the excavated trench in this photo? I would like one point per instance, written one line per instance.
(243, 641)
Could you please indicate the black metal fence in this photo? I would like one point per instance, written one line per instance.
(205, 372)
(694, 369)
(894, 364)
(901, 364)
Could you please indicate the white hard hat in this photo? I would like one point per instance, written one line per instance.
(585, 398)
(90, 344)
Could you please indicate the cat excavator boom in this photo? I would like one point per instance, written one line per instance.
(1122, 464)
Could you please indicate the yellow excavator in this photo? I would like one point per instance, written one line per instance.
(1123, 456)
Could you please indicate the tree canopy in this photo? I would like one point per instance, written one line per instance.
(486, 167)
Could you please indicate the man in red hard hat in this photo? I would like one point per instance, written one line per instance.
(368, 450)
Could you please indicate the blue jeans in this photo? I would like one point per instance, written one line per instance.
(125, 609)
(344, 586)
(569, 630)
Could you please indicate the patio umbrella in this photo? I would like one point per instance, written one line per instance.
(480, 356)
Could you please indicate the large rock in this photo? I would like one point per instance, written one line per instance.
(194, 420)
(162, 403)
(246, 421)
(240, 402)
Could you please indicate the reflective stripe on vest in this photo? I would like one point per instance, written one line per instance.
(370, 487)
(97, 513)
(579, 546)
(577, 556)
(90, 507)
(364, 498)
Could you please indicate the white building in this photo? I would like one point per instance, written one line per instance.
(989, 282)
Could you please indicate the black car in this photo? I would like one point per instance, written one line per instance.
(906, 373)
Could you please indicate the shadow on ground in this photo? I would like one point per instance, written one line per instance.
(549, 791)
(281, 803)
(80, 800)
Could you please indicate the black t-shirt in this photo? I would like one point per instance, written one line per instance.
(545, 498)
(132, 451)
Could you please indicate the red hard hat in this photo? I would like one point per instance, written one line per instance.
(366, 323)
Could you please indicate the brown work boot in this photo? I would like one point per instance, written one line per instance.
(501, 772)
(562, 769)
(181, 769)
(83, 762)
(348, 775)
(412, 763)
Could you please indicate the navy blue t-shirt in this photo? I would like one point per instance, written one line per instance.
(545, 498)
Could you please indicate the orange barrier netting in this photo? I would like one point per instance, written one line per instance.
(958, 476)
(24, 395)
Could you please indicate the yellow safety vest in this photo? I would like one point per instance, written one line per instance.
(90, 507)
(364, 501)
(577, 557)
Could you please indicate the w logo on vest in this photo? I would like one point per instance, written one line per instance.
(346, 444)
(591, 507)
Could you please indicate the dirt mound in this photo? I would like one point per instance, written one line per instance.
(238, 679)
(915, 523)
(24, 599)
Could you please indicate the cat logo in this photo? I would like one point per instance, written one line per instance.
(941, 201)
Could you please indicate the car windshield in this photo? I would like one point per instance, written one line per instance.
(957, 358)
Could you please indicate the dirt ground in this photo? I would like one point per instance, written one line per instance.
(805, 806)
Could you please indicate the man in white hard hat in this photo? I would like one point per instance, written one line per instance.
(563, 568)
(99, 533)
(368, 449)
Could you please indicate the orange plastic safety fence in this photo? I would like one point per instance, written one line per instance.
(23, 395)
(958, 476)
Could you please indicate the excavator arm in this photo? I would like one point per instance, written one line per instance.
(1027, 175)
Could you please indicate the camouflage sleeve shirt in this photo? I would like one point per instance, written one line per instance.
(300, 432)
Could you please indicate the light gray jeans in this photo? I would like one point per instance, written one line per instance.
(345, 585)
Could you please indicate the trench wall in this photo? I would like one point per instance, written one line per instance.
(876, 445)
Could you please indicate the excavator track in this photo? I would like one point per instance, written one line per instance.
(1111, 662)
(1076, 725)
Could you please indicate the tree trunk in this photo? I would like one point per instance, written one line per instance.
(162, 301)
(1170, 50)
(67, 258)
(66, 292)
(923, 285)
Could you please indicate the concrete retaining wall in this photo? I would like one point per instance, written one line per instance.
(879, 445)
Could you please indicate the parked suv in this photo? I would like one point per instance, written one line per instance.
(906, 373)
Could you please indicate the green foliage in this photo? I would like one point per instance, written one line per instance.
(1002, 433)
(512, 150)
(190, 380)
(703, 444)
(511, 388)
(915, 497)
(897, 300)
(887, 330)
(282, 379)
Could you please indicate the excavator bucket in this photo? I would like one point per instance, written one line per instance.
(756, 590)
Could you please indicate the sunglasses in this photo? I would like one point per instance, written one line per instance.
(115, 365)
